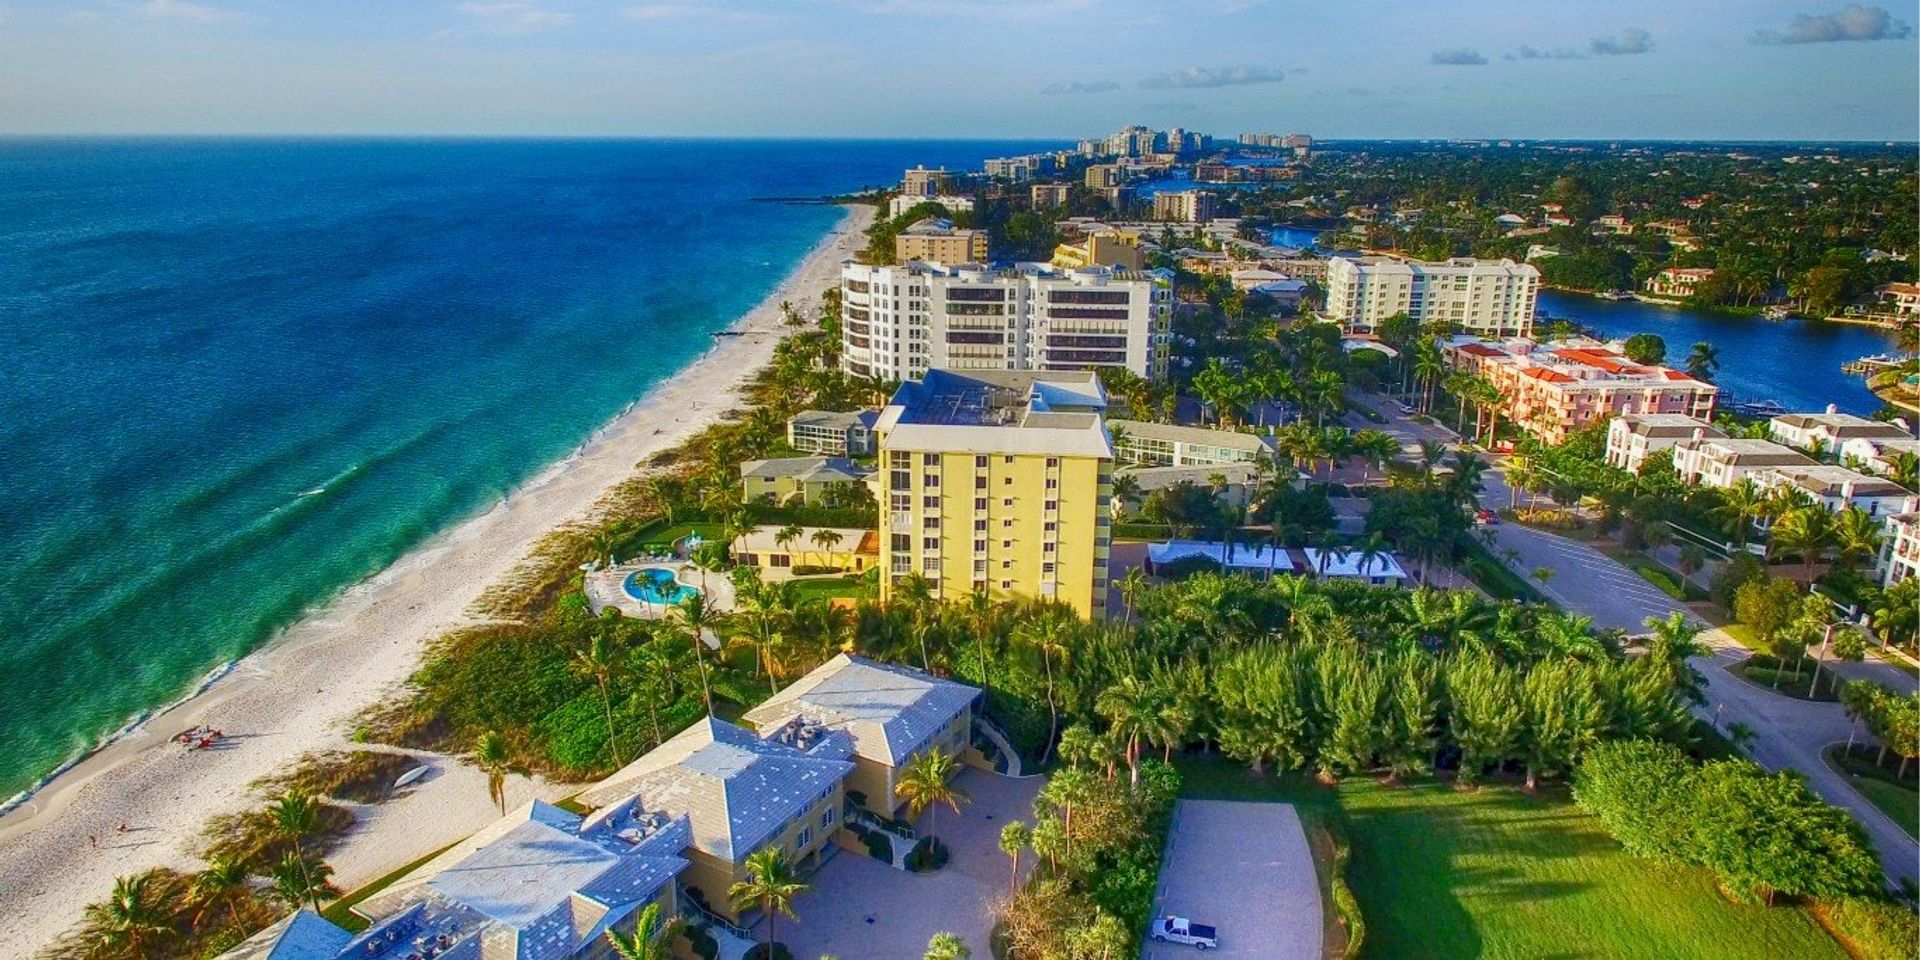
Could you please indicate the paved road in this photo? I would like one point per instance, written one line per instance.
(1789, 733)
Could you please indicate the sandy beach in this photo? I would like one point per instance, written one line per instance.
(141, 802)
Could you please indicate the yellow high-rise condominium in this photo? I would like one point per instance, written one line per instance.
(998, 482)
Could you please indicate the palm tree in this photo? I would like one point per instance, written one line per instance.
(218, 887)
(1048, 635)
(596, 662)
(652, 938)
(1903, 468)
(1745, 501)
(129, 918)
(771, 885)
(947, 946)
(1133, 713)
(826, 539)
(926, 782)
(1807, 531)
(696, 618)
(296, 814)
(298, 883)
(1703, 361)
(1014, 838)
(491, 755)
(1856, 536)
(1428, 367)
(787, 535)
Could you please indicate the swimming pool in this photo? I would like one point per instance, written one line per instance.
(656, 585)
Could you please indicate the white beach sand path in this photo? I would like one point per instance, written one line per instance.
(63, 849)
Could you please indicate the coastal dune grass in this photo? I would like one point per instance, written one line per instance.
(1497, 873)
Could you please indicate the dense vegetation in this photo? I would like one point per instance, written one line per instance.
(1441, 200)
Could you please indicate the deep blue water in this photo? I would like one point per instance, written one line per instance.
(1796, 362)
(242, 375)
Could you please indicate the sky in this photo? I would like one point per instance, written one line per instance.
(1044, 69)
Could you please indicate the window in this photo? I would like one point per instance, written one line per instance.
(980, 482)
(902, 543)
(779, 560)
(980, 503)
(1053, 463)
(932, 481)
(929, 523)
(931, 503)
(826, 818)
(805, 837)
(1053, 505)
(980, 463)
(980, 526)
(930, 543)
(930, 460)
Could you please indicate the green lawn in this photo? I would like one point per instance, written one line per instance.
(1897, 799)
(1496, 873)
(817, 587)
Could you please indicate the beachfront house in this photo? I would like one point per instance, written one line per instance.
(832, 434)
(537, 883)
(737, 792)
(778, 552)
(1900, 551)
(1839, 488)
(1878, 454)
(892, 714)
(816, 480)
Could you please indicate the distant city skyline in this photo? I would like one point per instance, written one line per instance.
(1043, 69)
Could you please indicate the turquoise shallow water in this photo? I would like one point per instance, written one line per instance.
(241, 375)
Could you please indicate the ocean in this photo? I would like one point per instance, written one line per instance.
(242, 375)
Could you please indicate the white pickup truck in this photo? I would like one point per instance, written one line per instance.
(1172, 929)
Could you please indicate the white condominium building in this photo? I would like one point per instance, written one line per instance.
(1491, 298)
(900, 321)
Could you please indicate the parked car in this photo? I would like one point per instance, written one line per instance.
(1406, 408)
(1172, 929)
(1487, 517)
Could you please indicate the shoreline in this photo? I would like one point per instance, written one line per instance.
(136, 801)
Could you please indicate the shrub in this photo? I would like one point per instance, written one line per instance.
(1871, 929)
(1735, 574)
(1760, 833)
(1345, 904)
(769, 951)
(814, 570)
(879, 845)
(928, 855)
(362, 776)
(703, 944)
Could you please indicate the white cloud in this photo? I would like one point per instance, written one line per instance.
(1080, 86)
(682, 11)
(1851, 22)
(508, 18)
(1197, 78)
(182, 10)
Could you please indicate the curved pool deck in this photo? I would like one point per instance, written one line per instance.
(608, 588)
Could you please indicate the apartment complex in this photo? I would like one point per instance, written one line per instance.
(1489, 298)
(1725, 461)
(925, 183)
(1551, 392)
(954, 203)
(939, 241)
(1105, 176)
(1631, 437)
(831, 433)
(539, 882)
(1107, 248)
(1183, 206)
(1144, 443)
(1045, 195)
(999, 483)
(900, 321)
(673, 828)
(891, 714)
(786, 480)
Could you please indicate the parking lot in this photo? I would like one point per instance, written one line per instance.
(1246, 869)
